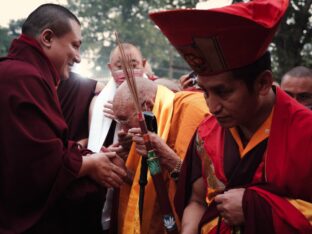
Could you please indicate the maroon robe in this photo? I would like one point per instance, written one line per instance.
(75, 95)
(288, 171)
(39, 188)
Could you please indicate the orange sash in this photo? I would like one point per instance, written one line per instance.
(169, 109)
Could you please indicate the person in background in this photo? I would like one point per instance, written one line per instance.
(171, 84)
(148, 72)
(177, 116)
(104, 129)
(297, 82)
(188, 82)
(45, 178)
(249, 166)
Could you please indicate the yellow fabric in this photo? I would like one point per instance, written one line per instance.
(304, 207)
(262, 133)
(167, 108)
(209, 226)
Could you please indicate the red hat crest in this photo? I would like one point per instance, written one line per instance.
(221, 39)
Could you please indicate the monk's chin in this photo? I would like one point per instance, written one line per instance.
(226, 122)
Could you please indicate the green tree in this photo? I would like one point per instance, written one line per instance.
(8, 34)
(292, 43)
(5, 40)
(130, 19)
(291, 46)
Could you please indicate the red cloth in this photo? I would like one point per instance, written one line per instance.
(75, 95)
(38, 165)
(221, 39)
(288, 163)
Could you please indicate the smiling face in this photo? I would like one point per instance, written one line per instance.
(64, 51)
(229, 99)
(115, 65)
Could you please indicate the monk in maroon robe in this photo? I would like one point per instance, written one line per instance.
(249, 166)
(46, 185)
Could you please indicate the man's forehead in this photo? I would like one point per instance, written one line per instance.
(129, 52)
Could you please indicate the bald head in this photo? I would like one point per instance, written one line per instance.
(123, 104)
(297, 82)
(137, 62)
(146, 91)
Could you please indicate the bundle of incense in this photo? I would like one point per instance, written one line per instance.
(152, 160)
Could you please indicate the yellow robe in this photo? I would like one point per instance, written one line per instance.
(178, 116)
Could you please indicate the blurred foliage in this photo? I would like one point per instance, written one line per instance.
(130, 19)
(291, 47)
(8, 34)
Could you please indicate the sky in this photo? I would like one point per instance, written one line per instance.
(18, 9)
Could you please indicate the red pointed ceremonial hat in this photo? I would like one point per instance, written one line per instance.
(221, 39)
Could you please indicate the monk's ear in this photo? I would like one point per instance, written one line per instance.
(109, 66)
(148, 105)
(264, 82)
(144, 62)
(46, 38)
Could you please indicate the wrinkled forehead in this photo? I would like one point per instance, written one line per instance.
(298, 84)
(122, 103)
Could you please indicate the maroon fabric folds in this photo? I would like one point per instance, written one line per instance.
(75, 95)
(38, 165)
(258, 214)
(288, 170)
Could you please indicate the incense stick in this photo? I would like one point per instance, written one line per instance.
(151, 159)
(128, 71)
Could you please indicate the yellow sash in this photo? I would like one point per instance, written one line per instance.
(178, 116)
(128, 213)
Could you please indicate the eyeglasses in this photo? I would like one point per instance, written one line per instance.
(125, 121)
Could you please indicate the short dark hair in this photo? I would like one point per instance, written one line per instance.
(299, 71)
(53, 16)
(250, 72)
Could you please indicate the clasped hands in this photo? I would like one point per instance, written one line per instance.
(167, 157)
(229, 205)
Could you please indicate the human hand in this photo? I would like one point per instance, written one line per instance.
(124, 144)
(168, 158)
(120, 161)
(230, 206)
(107, 169)
(125, 139)
(118, 149)
(108, 110)
(137, 137)
(188, 80)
